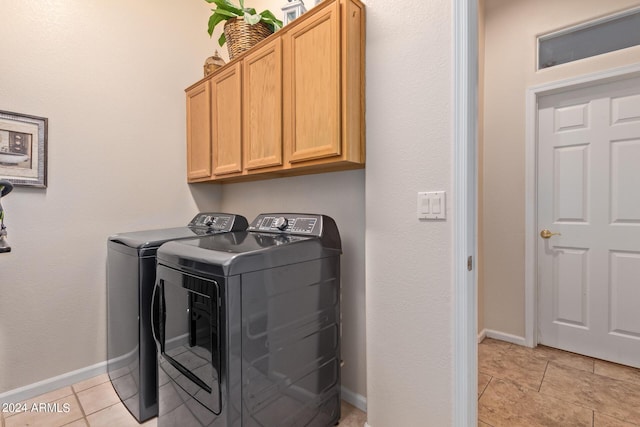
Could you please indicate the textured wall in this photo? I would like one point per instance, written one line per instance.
(409, 263)
(109, 75)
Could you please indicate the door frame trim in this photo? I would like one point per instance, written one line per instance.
(465, 125)
(531, 165)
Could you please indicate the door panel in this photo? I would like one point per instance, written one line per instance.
(625, 181)
(571, 172)
(625, 273)
(312, 93)
(588, 180)
(226, 121)
(625, 109)
(263, 107)
(198, 132)
(571, 117)
(570, 286)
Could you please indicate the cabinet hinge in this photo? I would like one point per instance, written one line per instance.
(470, 263)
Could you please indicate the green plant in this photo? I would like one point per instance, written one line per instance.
(226, 10)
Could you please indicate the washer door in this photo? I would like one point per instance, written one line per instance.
(188, 334)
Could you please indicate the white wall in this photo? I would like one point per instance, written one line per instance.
(109, 75)
(511, 28)
(341, 196)
(408, 263)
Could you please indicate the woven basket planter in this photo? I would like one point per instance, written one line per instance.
(242, 36)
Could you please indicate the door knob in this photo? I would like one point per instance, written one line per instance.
(546, 234)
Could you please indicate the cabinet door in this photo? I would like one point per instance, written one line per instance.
(262, 107)
(226, 121)
(198, 132)
(312, 90)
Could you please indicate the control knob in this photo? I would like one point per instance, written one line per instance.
(280, 223)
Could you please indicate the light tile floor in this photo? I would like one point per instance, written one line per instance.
(520, 386)
(94, 403)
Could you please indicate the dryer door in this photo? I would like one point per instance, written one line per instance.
(188, 334)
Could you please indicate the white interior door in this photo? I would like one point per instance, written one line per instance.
(589, 193)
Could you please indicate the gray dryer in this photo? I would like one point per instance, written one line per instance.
(248, 326)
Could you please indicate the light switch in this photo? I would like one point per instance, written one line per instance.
(432, 205)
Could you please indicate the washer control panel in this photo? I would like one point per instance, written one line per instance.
(219, 222)
(305, 224)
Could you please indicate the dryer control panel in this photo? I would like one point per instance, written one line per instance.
(219, 222)
(304, 224)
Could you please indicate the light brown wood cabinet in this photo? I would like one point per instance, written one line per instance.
(226, 121)
(294, 104)
(262, 107)
(198, 132)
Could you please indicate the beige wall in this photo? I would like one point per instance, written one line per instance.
(480, 163)
(109, 75)
(409, 262)
(510, 41)
(341, 196)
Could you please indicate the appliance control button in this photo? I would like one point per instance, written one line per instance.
(280, 223)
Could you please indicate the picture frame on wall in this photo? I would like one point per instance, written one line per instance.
(23, 149)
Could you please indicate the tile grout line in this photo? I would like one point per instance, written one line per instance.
(591, 407)
(614, 417)
(84, 416)
(570, 402)
(80, 402)
(543, 375)
(483, 390)
(485, 387)
(625, 380)
(551, 382)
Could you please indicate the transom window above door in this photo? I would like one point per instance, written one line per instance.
(614, 32)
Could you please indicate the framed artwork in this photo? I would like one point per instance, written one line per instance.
(23, 149)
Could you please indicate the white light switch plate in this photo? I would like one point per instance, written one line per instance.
(432, 205)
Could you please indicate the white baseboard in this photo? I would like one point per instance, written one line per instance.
(513, 339)
(482, 335)
(50, 384)
(355, 399)
(70, 378)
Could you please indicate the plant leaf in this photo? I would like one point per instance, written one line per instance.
(217, 17)
(214, 20)
(269, 24)
(226, 14)
(269, 18)
(252, 19)
(242, 4)
(222, 40)
(228, 6)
